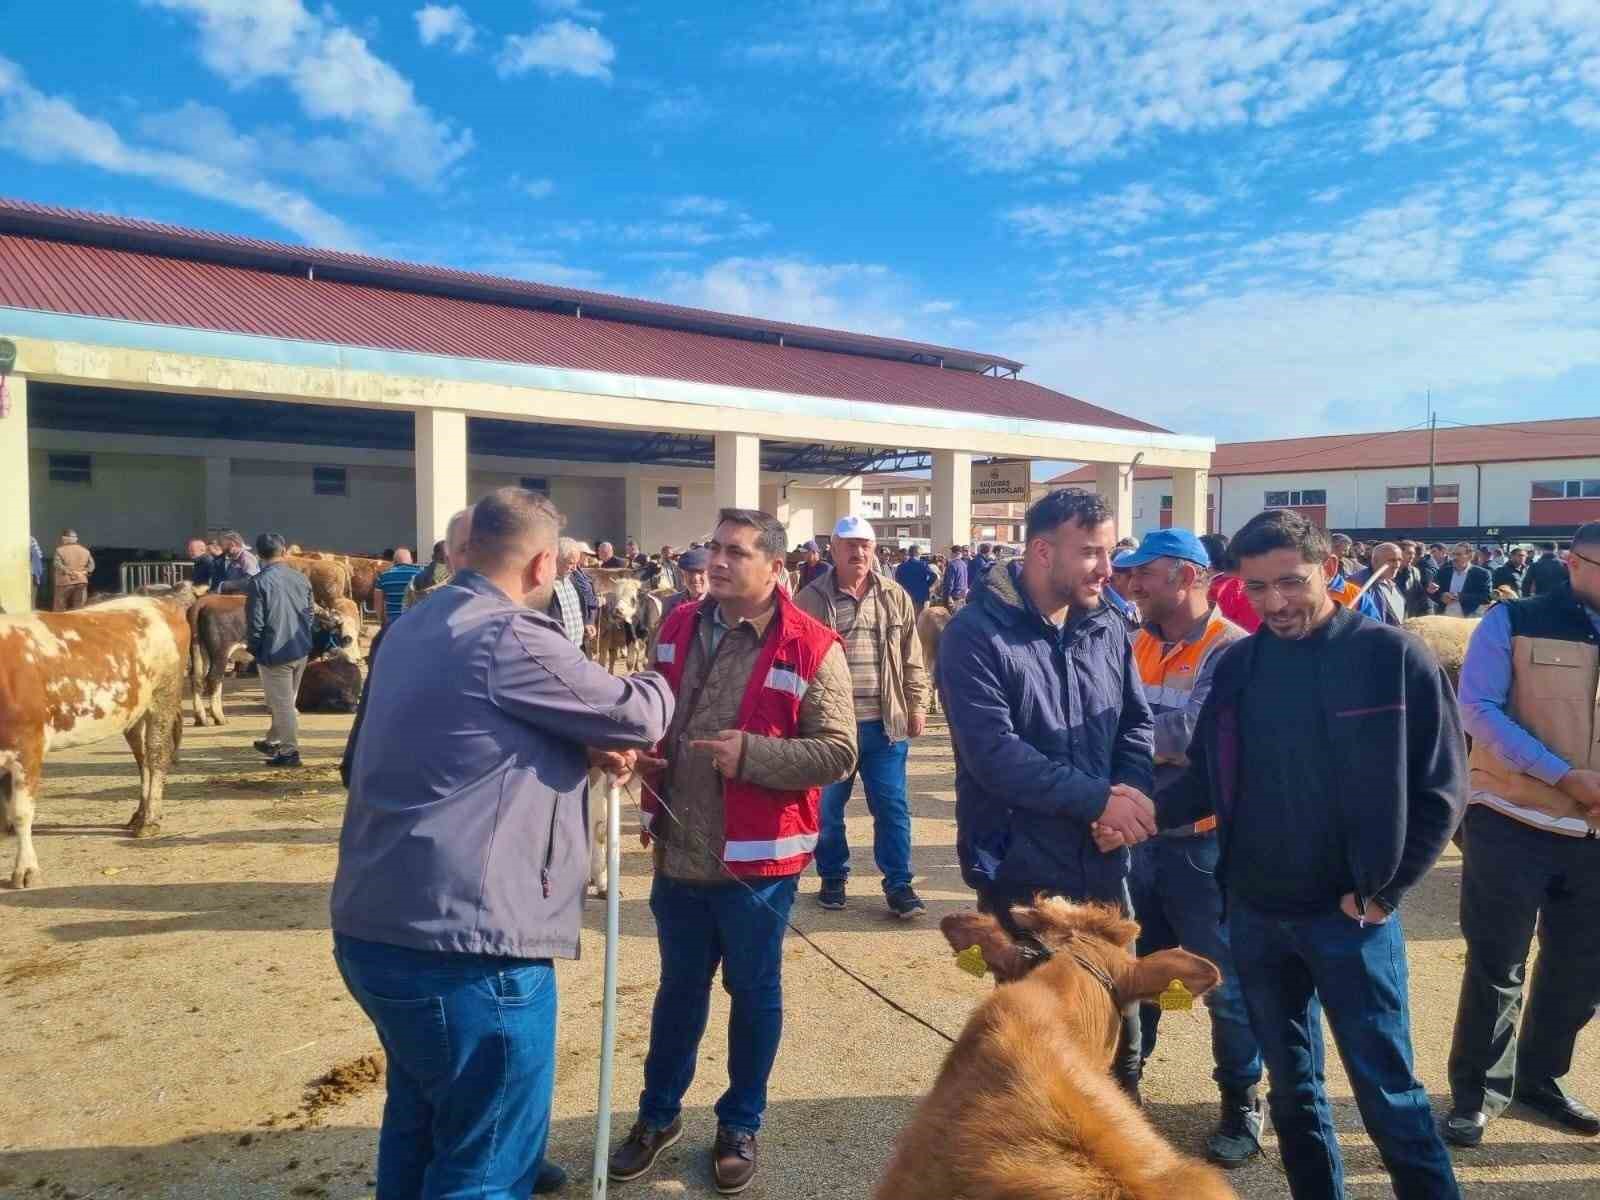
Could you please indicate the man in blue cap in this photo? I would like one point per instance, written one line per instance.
(692, 566)
(1173, 883)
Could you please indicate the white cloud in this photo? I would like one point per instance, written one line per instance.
(694, 205)
(570, 8)
(333, 74)
(1136, 205)
(561, 47)
(448, 23)
(1328, 195)
(538, 189)
(51, 129)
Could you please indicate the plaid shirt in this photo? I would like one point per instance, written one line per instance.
(568, 609)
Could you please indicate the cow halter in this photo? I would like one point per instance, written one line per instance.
(1035, 953)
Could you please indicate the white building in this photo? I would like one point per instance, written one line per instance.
(900, 508)
(1508, 481)
(168, 381)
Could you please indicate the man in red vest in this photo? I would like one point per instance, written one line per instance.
(765, 719)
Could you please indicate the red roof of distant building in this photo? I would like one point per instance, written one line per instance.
(88, 264)
(1575, 437)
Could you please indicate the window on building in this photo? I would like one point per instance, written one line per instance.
(903, 531)
(329, 481)
(872, 506)
(669, 495)
(536, 483)
(1418, 494)
(71, 468)
(927, 506)
(1166, 502)
(986, 531)
(1543, 489)
(1304, 497)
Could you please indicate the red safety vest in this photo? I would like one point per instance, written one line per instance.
(766, 832)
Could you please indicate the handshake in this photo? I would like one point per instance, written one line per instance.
(1129, 818)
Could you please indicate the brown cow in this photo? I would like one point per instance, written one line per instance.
(364, 573)
(1025, 1107)
(330, 580)
(216, 639)
(69, 679)
(930, 631)
(331, 684)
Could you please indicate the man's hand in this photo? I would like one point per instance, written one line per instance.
(917, 725)
(1376, 913)
(619, 764)
(590, 633)
(1130, 813)
(725, 750)
(1433, 588)
(1584, 787)
(1106, 839)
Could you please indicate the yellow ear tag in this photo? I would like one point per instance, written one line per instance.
(971, 961)
(1176, 998)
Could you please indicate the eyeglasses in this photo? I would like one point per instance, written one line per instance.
(1593, 562)
(1290, 587)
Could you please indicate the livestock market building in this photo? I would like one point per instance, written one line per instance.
(169, 381)
(1514, 481)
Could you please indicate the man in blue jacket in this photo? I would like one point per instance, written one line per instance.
(1051, 729)
(278, 625)
(917, 577)
(465, 851)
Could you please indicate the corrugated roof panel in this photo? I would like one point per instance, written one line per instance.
(98, 281)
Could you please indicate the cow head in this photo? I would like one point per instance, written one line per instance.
(1078, 942)
(330, 634)
(620, 605)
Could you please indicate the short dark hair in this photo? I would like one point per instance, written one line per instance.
(1588, 534)
(1336, 539)
(1216, 545)
(270, 545)
(771, 536)
(986, 548)
(509, 521)
(1046, 515)
(1432, 546)
(1549, 547)
(1280, 529)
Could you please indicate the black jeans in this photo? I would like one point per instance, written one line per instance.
(1516, 880)
(998, 902)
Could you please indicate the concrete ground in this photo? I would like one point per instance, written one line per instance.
(174, 1026)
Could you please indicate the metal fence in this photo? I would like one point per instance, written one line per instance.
(136, 575)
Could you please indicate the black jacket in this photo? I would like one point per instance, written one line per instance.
(1548, 574)
(1394, 746)
(1508, 576)
(1475, 590)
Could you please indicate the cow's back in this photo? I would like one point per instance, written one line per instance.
(88, 675)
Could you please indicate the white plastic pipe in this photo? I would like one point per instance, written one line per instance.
(608, 1016)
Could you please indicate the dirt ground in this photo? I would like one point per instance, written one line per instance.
(174, 1027)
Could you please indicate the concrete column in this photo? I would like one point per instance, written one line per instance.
(441, 471)
(16, 580)
(1115, 482)
(952, 500)
(219, 494)
(1189, 485)
(738, 470)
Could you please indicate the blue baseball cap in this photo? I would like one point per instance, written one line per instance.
(694, 560)
(1165, 543)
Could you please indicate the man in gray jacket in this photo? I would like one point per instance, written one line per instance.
(464, 855)
(278, 620)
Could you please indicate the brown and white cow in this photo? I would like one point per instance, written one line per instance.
(217, 639)
(330, 580)
(364, 573)
(1025, 1107)
(69, 679)
(619, 637)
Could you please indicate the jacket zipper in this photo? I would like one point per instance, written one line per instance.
(549, 851)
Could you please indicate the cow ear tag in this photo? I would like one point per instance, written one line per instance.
(1176, 998)
(971, 961)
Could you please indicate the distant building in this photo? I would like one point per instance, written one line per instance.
(900, 507)
(1525, 476)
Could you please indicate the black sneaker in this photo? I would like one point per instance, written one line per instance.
(832, 894)
(550, 1179)
(1237, 1137)
(263, 746)
(905, 903)
(290, 759)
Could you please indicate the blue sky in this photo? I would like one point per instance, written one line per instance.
(1251, 219)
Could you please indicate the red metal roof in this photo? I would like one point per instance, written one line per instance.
(67, 275)
(1523, 441)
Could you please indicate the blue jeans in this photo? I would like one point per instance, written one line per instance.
(470, 1042)
(1293, 968)
(699, 926)
(882, 768)
(1177, 903)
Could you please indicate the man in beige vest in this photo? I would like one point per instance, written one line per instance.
(1530, 698)
(71, 569)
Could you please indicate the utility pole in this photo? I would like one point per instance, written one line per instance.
(1433, 435)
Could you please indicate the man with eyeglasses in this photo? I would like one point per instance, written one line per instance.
(1532, 858)
(1331, 753)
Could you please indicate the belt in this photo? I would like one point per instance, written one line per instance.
(1203, 826)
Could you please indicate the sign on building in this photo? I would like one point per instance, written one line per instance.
(1000, 483)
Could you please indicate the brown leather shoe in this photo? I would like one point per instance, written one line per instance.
(735, 1156)
(639, 1153)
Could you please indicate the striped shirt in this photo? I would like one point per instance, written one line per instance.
(393, 584)
(860, 625)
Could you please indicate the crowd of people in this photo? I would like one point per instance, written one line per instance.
(1231, 741)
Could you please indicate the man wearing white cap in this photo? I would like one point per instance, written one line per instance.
(876, 620)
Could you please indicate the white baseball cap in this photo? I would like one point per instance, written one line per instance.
(854, 527)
